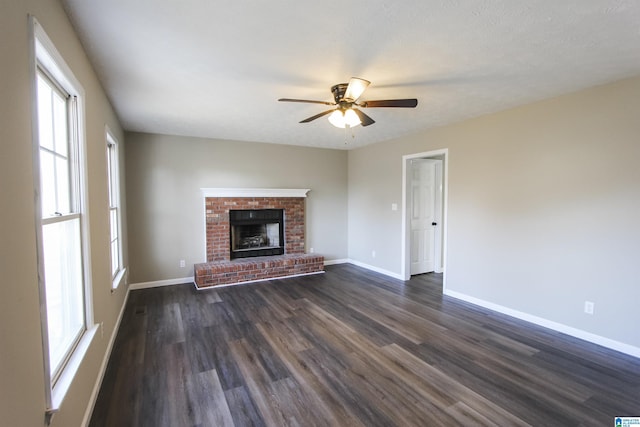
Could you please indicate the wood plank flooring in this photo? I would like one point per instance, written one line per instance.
(350, 348)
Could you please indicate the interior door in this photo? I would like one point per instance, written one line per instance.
(423, 215)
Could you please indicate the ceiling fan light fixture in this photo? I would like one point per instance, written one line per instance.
(351, 118)
(348, 117)
(355, 88)
(337, 119)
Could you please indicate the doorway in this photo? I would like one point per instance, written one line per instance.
(424, 205)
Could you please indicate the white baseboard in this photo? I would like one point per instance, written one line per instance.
(376, 269)
(103, 367)
(558, 327)
(159, 283)
(336, 261)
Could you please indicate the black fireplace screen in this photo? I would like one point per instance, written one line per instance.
(258, 232)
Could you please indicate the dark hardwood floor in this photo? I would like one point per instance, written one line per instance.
(351, 348)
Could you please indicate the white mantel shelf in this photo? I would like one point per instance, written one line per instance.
(255, 192)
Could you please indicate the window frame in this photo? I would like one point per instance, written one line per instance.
(115, 204)
(44, 56)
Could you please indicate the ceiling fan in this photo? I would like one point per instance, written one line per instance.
(346, 98)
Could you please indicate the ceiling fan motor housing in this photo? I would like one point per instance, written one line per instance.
(339, 91)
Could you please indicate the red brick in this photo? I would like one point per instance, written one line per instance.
(227, 272)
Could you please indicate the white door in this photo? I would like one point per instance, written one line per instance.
(423, 215)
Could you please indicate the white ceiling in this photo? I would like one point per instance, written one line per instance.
(215, 68)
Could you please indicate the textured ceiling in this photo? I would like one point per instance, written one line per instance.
(215, 69)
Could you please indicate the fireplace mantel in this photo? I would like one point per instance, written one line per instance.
(254, 192)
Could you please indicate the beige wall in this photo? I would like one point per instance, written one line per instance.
(166, 207)
(21, 357)
(543, 208)
(544, 203)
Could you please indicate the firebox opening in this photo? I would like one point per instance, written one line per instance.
(257, 232)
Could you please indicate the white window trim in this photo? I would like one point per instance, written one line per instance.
(120, 274)
(44, 52)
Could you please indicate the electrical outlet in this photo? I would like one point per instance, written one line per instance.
(394, 206)
(182, 264)
(310, 250)
(373, 254)
(589, 307)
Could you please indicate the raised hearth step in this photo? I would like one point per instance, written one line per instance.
(217, 273)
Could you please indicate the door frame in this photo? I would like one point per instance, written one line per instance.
(441, 238)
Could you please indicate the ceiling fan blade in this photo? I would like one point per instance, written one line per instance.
(401, 103)
(356, 88)
(364, 119)
(308, 101)
(317, 116)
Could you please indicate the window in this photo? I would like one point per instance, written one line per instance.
(60, 220)
(61, 223)
(117, 270)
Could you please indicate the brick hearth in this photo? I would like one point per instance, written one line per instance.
(258, 268)
(220, 269)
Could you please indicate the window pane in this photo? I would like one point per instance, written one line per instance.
(47, 183)
(115, 244)
(112, 174)
(63, 185)
(63, 282)
(45, 117)
(110, 185)
(60, 124)
(114, 224)
(114, 258)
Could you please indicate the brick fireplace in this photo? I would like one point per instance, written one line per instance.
(218, 228)
(221, 269)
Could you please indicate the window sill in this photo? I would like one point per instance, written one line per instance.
(63, 384)
(118, 279)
